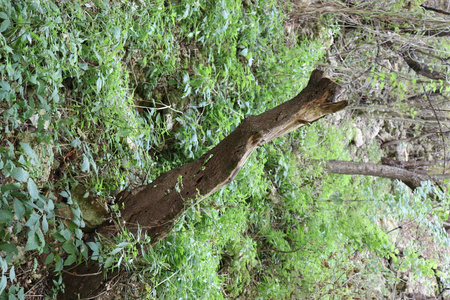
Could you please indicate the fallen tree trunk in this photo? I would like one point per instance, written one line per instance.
(156, 207)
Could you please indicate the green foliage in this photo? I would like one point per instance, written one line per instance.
(98, 96)
(426, 207)
(52, 72)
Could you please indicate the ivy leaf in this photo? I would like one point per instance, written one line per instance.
(58, 237)
(66, 233)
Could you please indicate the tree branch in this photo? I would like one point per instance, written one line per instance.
(420, 68)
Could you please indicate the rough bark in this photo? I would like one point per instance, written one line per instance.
(411, 179)
(155, 207)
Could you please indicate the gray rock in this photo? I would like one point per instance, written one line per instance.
(358, 139)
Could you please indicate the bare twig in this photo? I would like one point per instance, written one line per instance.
(281, 251)
(82, 275)
(440, 130)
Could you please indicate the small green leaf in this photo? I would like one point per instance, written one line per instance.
(115, 251)
(64, 194)
(76, 143)
(58, 263)
(109, 262)
(17, 228)
(8, 247)
(94, 246)
(76, 212)
(123, 244)
(243, 52)
(49, 206)
(83, 66)
(28, 150)
(2, 284)
(49, 259)
(116, 32)
(32, 220)
(84, 251)
(32, 189)
(9, 187)
(85, 167)
(21, 293)
(32, 242)
(99, 84)
(57, 236)
(5, 216)
(66, 233)
(5, 24)
(44, 225)
(12, 274)
(19, 208)
(70, 260)
(19, 174)
(69, 247)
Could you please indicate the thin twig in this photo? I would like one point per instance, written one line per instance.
(82, 275)
(440, 129)
(281, 251)
(166, 279)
